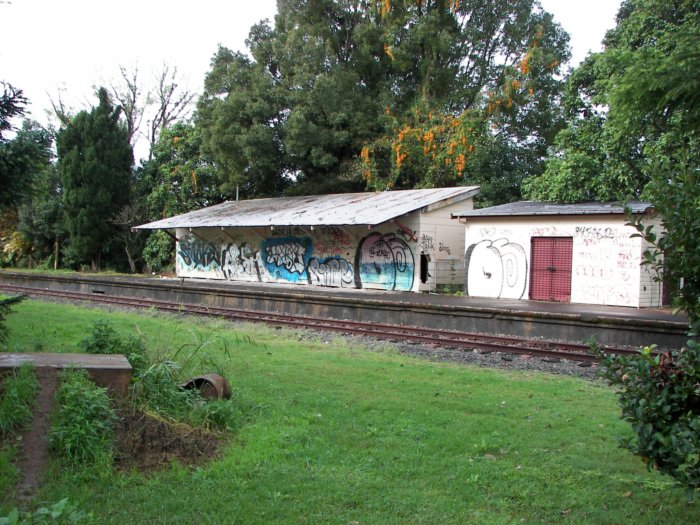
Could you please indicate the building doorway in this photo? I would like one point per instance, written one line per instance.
(550, 275)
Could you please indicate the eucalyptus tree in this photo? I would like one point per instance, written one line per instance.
(357, 94)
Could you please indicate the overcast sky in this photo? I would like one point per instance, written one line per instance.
(72, 45)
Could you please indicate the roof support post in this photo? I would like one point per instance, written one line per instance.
(405, 229)
(192, 232)
(171, 235)
(256, 233)
(227, 234)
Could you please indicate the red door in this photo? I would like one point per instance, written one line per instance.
(550, 274)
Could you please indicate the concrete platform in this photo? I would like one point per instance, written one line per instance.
(109, 371)
(618, 326)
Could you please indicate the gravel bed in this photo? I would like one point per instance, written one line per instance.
(498, 360)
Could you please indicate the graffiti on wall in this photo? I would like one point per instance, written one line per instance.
(607, 261)
(445, 248)
(496, 269)
(286, 258)
(427, 243)
(242, 263)
(332, 271)
(385, 260)
(381, 260)
(195, 254)
(332, 240)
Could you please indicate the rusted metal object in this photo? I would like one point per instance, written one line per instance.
(210, 386)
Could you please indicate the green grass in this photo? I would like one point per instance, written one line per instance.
(336, 434)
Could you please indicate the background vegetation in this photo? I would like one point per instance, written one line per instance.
(359, 96)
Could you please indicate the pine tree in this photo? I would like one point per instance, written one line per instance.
(95, 161)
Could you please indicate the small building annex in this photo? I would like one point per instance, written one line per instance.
(394, 240)
(579, 253)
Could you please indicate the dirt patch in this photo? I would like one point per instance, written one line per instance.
(34, 451)
(146, 442)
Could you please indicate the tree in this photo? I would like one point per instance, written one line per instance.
(21, 158)
(177, 179)
(604, 151)
(12, 104)
(39, 203)
(336, 87)
(95, 161)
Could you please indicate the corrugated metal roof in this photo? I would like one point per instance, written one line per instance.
(344, 209)
(530, 208)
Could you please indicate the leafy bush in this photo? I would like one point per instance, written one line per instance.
(159, 252)
(82, 429)
(17, 396)
(105, 340)
(660, 397)
(62, 512)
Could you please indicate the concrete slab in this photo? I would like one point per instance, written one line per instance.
(109, 371)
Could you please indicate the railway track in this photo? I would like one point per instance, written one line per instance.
(442, 338)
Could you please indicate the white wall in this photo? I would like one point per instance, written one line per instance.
(442, 238)
(606, 260)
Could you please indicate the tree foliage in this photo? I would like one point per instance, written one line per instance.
(40, 210)
(177, 179)
(339, 96)
(95, 161)
(12, 154)
(626, 105)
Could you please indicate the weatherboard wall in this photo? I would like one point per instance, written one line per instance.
(605, 260)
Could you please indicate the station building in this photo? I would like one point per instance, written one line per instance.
(578, 253)
(394, 240)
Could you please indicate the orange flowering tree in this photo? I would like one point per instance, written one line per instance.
(492, 129)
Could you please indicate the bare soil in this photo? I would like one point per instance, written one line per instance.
(34, 453)
(146, 442)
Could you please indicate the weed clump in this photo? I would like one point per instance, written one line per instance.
(157, 378)
(59, 513)
(18, 393)
(82, 430)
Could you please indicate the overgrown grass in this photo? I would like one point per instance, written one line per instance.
(82, 426)
(17, 397)
(18, 393)
(335, 434)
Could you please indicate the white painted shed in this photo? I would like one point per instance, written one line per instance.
(395, 240)
(579, 253)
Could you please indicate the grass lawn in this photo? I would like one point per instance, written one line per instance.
(337, 434)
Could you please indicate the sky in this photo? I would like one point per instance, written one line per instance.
(49, 47)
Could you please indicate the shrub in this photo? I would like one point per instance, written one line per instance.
(156, 379)
(660, 397)
(82, 429)
(159, 252)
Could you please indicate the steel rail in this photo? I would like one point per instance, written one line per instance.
(462, 340)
